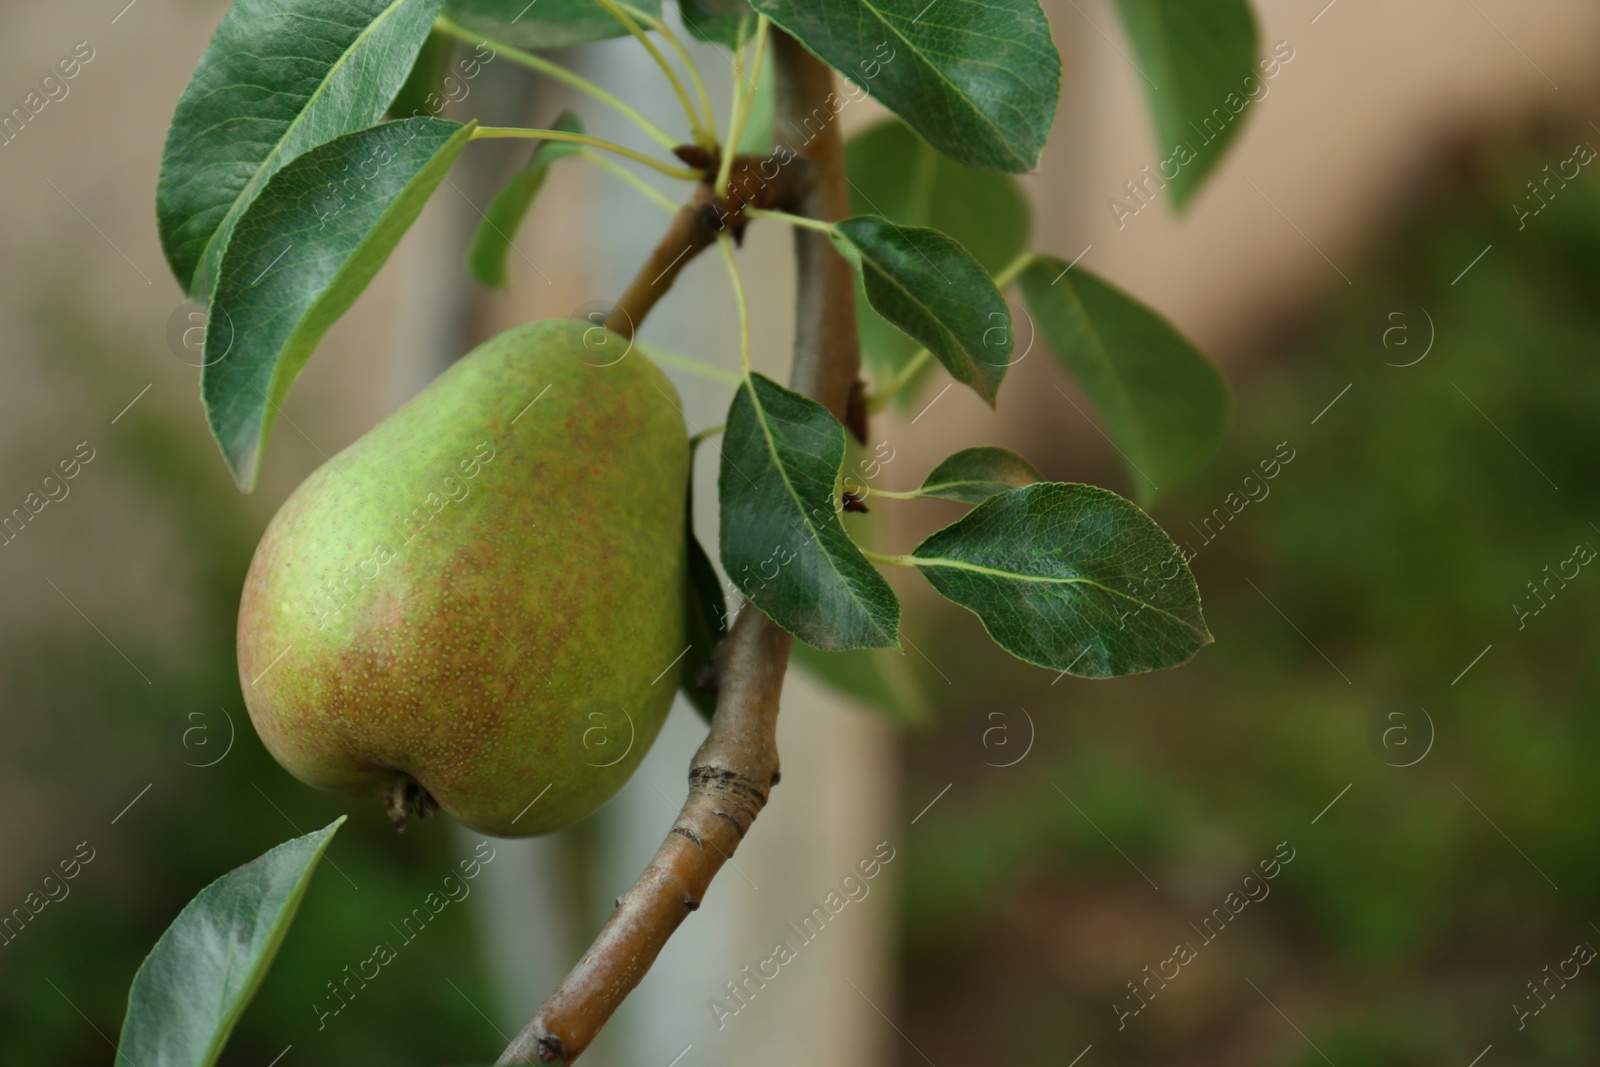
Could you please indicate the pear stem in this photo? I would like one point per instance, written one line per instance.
(735, 768)
(404, 798)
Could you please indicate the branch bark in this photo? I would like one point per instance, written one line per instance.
(827, 356)
(736, 766)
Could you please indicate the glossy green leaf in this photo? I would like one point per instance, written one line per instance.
(782, 543)
(705, 617)
(979, 81)
(930, 287)
(896, 174)
(879, 678)
(724, 22)
(300, 256)
(278, 78)
(1164, 403)
(1197, 64)
(196, 982)
(1070, 577)
(491, 244)
(973, 475)
(543, 23)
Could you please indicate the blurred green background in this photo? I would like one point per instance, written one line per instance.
(1394, 544)
(84, 716)
(1392, 548)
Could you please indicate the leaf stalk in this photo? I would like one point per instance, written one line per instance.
(684, 173)
(704, 137)
(448, 26)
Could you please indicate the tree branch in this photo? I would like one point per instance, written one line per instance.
(695, 227)
(827, 356)
(736, 766)
(689, 235)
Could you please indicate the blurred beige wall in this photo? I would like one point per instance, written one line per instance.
(1371, 88)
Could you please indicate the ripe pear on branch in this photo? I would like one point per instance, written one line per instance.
(475, 606)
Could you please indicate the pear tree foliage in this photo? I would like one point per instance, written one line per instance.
(288, 179)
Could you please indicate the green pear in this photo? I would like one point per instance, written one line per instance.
(479, 604)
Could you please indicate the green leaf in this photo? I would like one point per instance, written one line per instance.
(706, 617)
(1070, 577)
(278, 78)
(979, 81)
(880, 678)
(545, 23)
(1194, 60)
(929, 286)
(896, 174)
(756, 137)
(782, 455)
(973, 475)
(1164, 403)
(491, 245)
(420, 95)
(426, 79)
(301, 255)
(725, 22)
(194, 985)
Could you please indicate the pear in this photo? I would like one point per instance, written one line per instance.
(479, 604)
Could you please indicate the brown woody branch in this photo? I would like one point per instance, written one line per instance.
(771, 183)
(688, 236)
(736, 766)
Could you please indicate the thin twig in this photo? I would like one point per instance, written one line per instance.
(687, 237)
(696, 227)
(735, 768)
